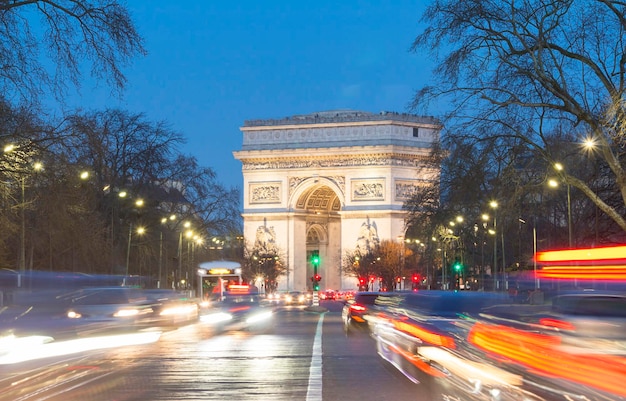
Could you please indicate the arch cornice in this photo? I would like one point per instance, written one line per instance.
(259, 160)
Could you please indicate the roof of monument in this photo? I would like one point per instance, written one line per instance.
(342, 116)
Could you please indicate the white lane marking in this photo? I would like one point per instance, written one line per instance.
(314, 391)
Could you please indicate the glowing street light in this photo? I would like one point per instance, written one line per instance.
(187, 225)
(554, 184)
(139, 231)
(494, 206)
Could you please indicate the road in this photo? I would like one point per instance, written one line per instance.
(307, 356)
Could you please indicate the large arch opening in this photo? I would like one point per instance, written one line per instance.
(319, 207)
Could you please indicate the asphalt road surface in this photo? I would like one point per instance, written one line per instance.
(306, 356)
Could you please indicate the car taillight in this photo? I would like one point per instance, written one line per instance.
(556, 323)
(238, 308)
(357, 308)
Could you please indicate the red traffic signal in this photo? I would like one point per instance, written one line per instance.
(416, 278)
(361, 280)
(317, 277)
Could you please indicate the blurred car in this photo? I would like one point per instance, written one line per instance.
(328, 295)
(275, 297)
(102, 309)
(356, 309)
(571, 348)
(241, 312)
(421, 334)
(295, 298)
(171, 308)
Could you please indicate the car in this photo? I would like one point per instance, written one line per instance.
(96, 310)
(172, 308)
(240, 312)
(275, 297)
(421, 334)
(356, 309)
(295, 298)
(575, 344)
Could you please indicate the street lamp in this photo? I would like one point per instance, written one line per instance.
(180, 251)
(139, 231)
(536, 280)
(559, 167)
(164, 220)
(494, 206)
(37, 166)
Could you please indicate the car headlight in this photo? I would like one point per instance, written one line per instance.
(126, 313)
(74, 315)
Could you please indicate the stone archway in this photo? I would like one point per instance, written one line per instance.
(319, 206)
(331, 181)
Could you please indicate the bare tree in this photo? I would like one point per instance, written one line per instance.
(264, 261)
(386, 261)
(527, 70)
(69, 222)
(391, 262)
(45, 45)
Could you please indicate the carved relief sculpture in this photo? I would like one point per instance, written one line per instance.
(265, 193)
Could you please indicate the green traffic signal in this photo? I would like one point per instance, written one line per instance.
(458, 266)
(315, 258)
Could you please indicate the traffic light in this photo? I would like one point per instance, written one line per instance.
(416, 281)
(315, 261)
(316, 278)
(315, 258)
(457, 266)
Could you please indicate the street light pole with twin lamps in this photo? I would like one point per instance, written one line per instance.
(559, 167)
(494, 206)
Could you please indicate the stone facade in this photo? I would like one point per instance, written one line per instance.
(331, 182)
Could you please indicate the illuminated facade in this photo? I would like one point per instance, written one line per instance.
(331, 183)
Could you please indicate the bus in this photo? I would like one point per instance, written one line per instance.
(215, 278)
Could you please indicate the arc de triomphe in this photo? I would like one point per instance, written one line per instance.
(331, 182)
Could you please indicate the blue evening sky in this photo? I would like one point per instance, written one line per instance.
(213, 64)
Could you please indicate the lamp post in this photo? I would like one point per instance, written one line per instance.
(140, 231)
(164, 221)
(180, 252)
(485, 219)
(494, 206)
(22, 261)
(536, 280)
(559, 167)
(37, 166)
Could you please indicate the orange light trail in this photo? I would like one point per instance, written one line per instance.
(583, 272)
(541, 354)
(425, 335)
(601, 255)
